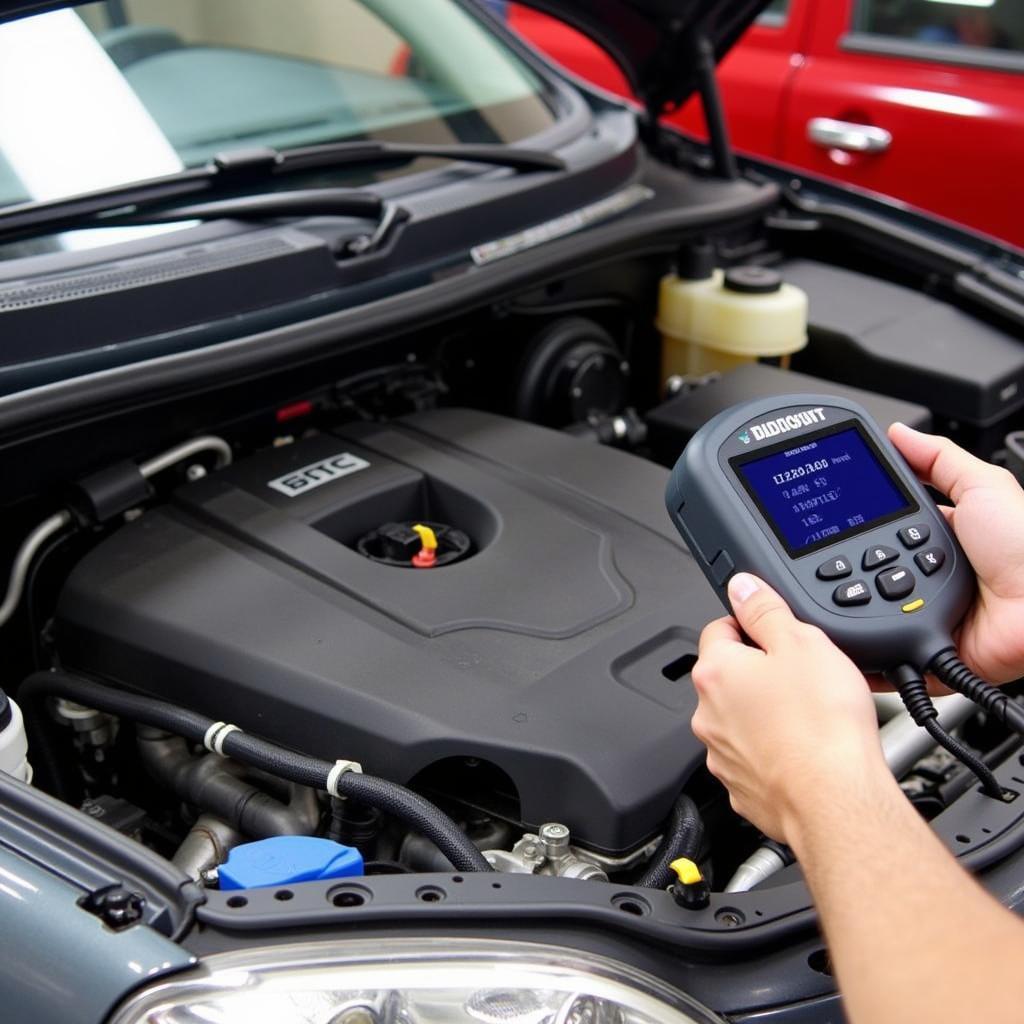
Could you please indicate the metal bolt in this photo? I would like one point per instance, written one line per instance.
(195, 472)
(554, 837)
(209, 877)
(729, 918)
(553, 832)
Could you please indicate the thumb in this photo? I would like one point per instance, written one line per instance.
(760, 611)
(941, 463)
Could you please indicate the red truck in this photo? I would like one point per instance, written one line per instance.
(919, 100)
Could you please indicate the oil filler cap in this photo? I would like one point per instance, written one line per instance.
(285, 860)
(400, 544)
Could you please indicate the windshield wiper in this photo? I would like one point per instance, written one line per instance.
(314, 202)
(241, 169)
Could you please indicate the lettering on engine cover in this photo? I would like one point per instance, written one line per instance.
(334, 467)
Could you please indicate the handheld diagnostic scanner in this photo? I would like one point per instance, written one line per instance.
(806, 492)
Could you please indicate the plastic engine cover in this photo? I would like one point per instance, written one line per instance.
(558, 650)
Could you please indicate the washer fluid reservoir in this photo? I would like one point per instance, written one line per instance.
(724, 319)
(13, 743)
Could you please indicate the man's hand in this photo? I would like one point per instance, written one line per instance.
(788, 725)
(988, 520)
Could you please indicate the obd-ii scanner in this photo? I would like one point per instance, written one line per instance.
(807, 492)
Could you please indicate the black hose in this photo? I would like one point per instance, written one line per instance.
(50, 772)
(949, 669)
(911, 688)
(682, 838)
(402, 803)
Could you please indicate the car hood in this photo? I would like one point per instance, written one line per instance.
(654, 41)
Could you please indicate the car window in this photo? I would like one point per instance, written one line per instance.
(139, 88)
(997, 25)
(775, 13)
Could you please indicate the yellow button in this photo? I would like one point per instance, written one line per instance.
(686, 871)
(914, 606)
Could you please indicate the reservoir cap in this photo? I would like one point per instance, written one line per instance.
(283, 860)
(696, 262)
(753, 280)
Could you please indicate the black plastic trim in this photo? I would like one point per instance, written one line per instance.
(92, 856)
(768, 916)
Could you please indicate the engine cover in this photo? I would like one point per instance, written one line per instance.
(557, 650)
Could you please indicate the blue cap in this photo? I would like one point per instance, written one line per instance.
(283, 860)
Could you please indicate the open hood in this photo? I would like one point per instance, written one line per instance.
(657, 42)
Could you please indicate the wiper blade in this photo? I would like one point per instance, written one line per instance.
(239, 169)
(341, 154)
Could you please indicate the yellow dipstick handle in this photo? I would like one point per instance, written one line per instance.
(686, 871)
(428, 537)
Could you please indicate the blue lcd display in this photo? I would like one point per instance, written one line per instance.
(822, 490)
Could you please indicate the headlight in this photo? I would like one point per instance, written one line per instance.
(412, 981)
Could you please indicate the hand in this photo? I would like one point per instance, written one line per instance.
(787, 724)
(988, 520)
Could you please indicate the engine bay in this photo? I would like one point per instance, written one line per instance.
(443, 563)
(540, 677)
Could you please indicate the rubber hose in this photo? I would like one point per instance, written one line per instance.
(949, 669)
(389, 797)
(402, 803)
(49, 771)
(682, 838)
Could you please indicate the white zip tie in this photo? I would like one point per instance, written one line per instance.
(216, 735)
(339, 769)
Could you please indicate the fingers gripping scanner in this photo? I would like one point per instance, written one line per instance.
(807, 492)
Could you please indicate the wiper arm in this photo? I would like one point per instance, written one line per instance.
(246, 168)
(315, 202)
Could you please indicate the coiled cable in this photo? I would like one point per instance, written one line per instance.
(911, 688)
(951, 671)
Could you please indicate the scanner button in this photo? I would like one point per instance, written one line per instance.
(874, 557)
(930, 561)
(913, 606)
(854, 592)
(895, 583)
(914, 536)
(722, 567)
(835, 568)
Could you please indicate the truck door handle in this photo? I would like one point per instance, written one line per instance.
(854, 138)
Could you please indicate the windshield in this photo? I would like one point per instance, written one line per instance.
(113, 92)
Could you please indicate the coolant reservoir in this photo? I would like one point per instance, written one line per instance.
(13, 744)
(726, 319)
